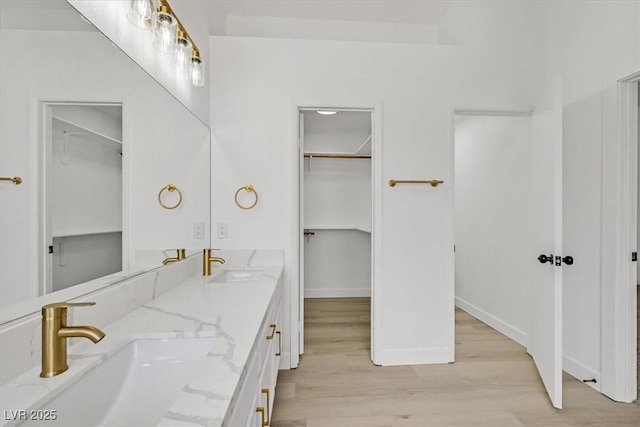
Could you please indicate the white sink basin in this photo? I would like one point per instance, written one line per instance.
(237, 275)
(133, 387)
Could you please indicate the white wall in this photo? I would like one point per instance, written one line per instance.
(78, 259)
(163, 143)
(591, 46)
(492, 201)
(337, 263)
(255, 89)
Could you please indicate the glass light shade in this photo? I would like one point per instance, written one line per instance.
(140, 13)
(165, 32)
(182, 59)
(197, 72)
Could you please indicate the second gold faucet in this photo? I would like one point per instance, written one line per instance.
(207, 259)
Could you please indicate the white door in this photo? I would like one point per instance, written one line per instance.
(545, 302)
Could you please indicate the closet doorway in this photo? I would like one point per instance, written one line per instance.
(81, 198)
(336, 210)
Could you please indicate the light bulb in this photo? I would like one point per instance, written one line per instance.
(140, 13)
(197, 72)
(182, 60)
(165, 31)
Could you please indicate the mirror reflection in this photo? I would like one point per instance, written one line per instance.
(94, 139)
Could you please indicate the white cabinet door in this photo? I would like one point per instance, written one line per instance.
(545, 302)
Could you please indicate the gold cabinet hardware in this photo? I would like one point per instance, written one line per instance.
(180, 255)
(433, 182)
(249, 189)
(273, 327)
(55, 333)
(207, 259)
(263, 422)
(279, 343)
(16, 179)
(266, 391)
(170, 188)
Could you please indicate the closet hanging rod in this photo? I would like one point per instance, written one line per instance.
(336, 156)
(433, 182)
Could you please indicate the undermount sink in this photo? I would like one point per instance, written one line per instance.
(237, 275)
(133, 387)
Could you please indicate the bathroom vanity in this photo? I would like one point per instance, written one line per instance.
(203, 351)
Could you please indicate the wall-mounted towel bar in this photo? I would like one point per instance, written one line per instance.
(16, 179)
(433, 182)
(336, 156)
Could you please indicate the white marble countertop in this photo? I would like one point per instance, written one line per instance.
(232, 312)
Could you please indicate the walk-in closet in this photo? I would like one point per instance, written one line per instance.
(337, 205)
(83, 193)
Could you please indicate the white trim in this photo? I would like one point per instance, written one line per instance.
(619, 299)
(499, 325)
(337, 293)
(581, 372)
(416, 356)
(499, 113)
(296, 296)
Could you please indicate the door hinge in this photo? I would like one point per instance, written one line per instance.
(51, 249)
(634, 256)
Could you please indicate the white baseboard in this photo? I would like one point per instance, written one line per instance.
(415, 356)
(499, 325)
(581, 372)
(285, 361)
(337, 293)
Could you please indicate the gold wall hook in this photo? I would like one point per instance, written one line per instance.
(16, 179)
(171, 188)
(249, 189)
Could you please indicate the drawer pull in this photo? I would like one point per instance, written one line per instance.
(273, 327)
(279, 343)
(261, 410)
(266, 391)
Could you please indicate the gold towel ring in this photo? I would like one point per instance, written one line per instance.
(171, 188)
(249, 189)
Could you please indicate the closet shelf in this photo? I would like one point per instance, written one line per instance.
(338, 228)
(83, 233)
(90, 134)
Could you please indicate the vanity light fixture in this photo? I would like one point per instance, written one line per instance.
(326, 112)
(169, 36)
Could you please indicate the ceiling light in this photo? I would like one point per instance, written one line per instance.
(326, 112)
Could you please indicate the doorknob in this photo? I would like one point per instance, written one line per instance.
(567, 260)
(543, 258)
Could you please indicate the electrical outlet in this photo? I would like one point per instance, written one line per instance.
(222, 230)
(198, 230)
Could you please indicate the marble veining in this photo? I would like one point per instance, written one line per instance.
(232, 313)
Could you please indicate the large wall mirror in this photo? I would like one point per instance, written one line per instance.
(95, 140)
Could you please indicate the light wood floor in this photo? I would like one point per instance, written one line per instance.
(493, 382)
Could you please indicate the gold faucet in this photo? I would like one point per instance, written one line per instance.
(181, 255)
(55, 333)
(207, 259)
